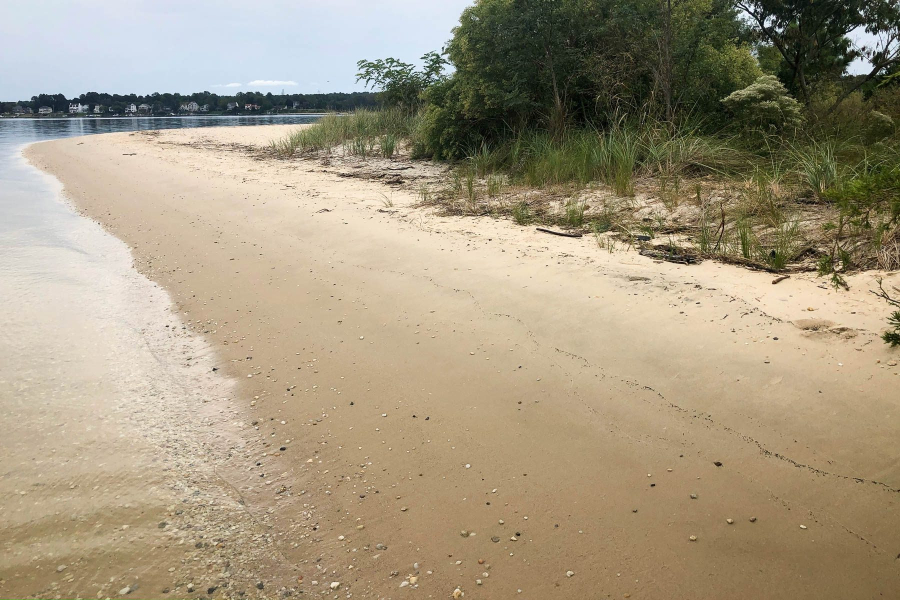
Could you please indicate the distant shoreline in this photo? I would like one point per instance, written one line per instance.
(217, 116)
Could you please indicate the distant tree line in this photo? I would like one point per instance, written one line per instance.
(170, 103)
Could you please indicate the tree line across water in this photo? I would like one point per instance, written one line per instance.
(171, 103)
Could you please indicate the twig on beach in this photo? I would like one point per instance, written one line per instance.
(572, 234)
(881, 293)
(323, 210)
(778, 280)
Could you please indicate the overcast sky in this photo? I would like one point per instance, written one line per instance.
(223, 46)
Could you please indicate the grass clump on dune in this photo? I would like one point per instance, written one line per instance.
(362, 132)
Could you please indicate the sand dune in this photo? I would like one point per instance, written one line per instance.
(467, 404)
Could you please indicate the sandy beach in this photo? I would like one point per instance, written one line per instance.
(420, 403)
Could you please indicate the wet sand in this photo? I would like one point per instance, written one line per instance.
(569, 409)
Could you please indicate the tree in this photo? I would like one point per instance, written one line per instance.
(552, 64)
(812, 38)
(401, 84)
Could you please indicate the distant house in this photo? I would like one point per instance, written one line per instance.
(131, 108)
(190, 107)
(204, 108)
(77, 108)
(296, 104)
(45, 110)
(22, 110)
(233, 105)
(98, 109)
(145, 108)
(251, 107)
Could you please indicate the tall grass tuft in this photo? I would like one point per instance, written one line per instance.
(359, 131)
(817, 166)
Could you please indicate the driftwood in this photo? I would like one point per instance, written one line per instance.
(572, 234)
(778, 280)
(682, 259)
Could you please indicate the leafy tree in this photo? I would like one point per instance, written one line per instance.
(812, 38)
(557, 63)
(401, 84)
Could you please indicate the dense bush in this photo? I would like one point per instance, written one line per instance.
(765, 104)
(552, 64)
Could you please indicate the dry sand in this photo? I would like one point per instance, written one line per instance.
(570, 409)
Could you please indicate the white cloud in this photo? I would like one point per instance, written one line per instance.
(229, 85)
(271, 83)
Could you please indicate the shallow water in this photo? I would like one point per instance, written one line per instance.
(102, 392)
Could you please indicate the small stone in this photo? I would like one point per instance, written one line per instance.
(570, 573)
(190, 587)
(259, 585)
(457, 593)
(125, 591)
(729, 521)
(413, 580)
(803, 527)
(693, 538)
(404, 509)
(60, 568)
(500, 521)
(693, 496)
(495, 539)
(477, 582)
(162, 525)
(403, 584)
(480, 561)
(464, 533)
(335, 585)
(753, 519)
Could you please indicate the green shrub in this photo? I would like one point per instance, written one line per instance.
(893, 337)
(765, 104)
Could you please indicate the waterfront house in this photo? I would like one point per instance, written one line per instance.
(204, 108)
(78, 108)
(144, 109)
(251, 107)
(131, 108)
(232, 105)
(45, 110)
(98, 109)
(190, 107)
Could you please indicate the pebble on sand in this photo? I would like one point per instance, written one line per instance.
(458, 593)
(693, 538)
(729, 521)
(335, 585)
(60, 568)
(803, 527)
(125, 591)
(570, 573)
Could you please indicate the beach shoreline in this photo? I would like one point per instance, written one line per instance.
(430, 375)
